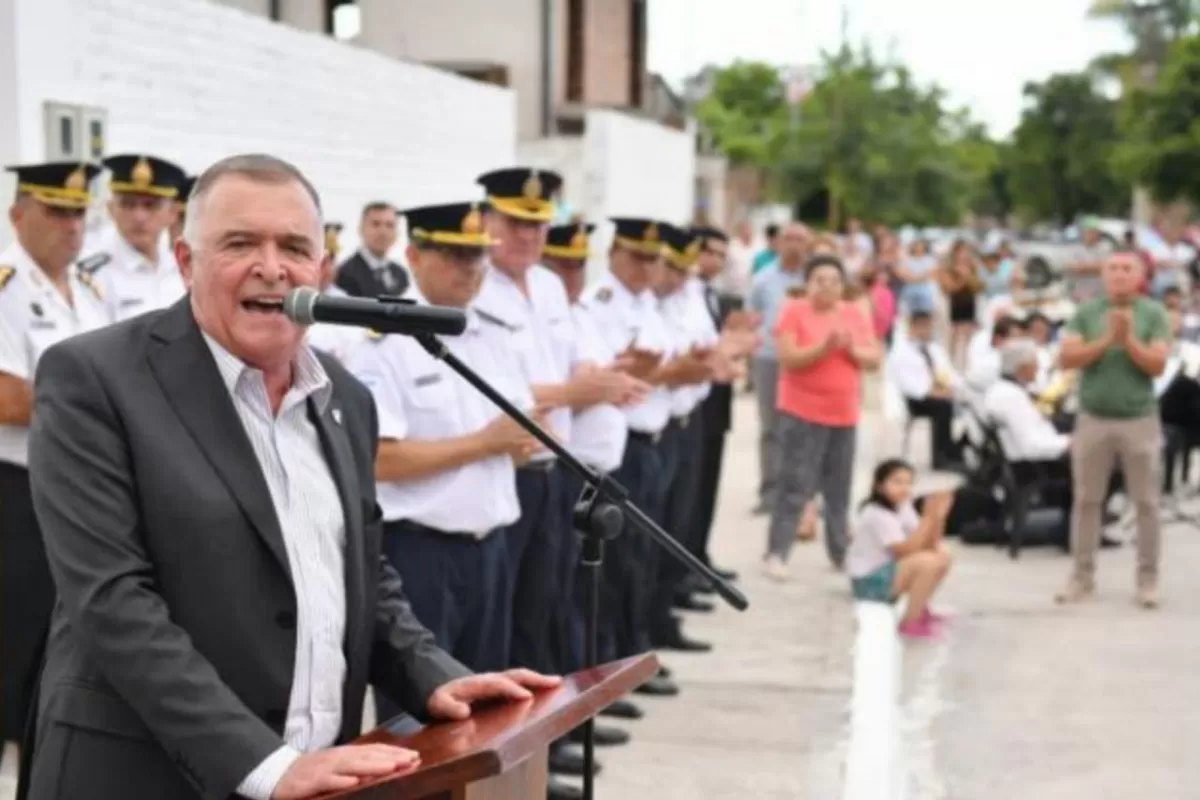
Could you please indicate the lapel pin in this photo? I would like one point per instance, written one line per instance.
(337, 415)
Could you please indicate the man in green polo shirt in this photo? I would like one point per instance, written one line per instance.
(1119, 343)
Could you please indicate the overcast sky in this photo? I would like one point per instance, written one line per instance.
(982, 51)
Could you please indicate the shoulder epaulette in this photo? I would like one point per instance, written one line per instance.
(87, 280)
(374, 335)
(6, 275)
(91, 264)
(493, 319)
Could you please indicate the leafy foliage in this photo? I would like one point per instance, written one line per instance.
(1163, 123)
(867, 136)
(1063, 147)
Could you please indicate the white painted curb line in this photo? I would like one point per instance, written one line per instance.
(873, 768)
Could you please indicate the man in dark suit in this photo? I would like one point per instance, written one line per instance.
(369, 272)
(204, 481)
(717, 408)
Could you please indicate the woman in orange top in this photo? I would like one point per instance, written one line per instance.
(824, 345)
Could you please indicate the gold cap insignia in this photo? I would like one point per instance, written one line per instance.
(77, 180)
(331, 240)
(533, 187)
(142, 175)
(580, 240)
(651, 233)
(473, 221)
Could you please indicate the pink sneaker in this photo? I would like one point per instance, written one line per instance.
(935, 618)
(921, 629)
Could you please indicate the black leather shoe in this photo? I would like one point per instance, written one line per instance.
(622, 709)
(658, 687)
(664, 672)
(604, 736)
(560, 790)
(677, 641)
(569, 761)
(1109, 543)
(686, 602)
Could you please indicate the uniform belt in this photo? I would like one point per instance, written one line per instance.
(648, 438)
(403, 526)
(546, 465)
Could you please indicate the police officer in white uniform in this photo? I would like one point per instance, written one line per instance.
(626, 313)
(133, 261)
(44, 298)
(598, 437)
(688, 321)
(445, 467)
(529, 303)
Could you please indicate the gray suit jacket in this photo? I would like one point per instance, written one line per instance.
(169, 661)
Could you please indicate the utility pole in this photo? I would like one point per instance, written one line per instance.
(836, 174)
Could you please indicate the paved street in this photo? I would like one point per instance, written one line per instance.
(1023, 700)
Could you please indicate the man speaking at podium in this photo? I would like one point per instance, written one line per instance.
(205, 486)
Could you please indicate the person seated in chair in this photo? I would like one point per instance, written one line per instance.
(1025, 434)
(1033, 446)
(921, 370)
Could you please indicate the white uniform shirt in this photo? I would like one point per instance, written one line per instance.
(1024, 433)
(624, 318)
(598, 433)
(338, 341)
(420, 398)
(542, 332)
(689, 323)
(908, 369)
(131, 284)
(33, 316)
(305, 497)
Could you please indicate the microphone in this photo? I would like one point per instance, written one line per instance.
(305, 305)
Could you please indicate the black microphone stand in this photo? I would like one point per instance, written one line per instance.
(599, 516)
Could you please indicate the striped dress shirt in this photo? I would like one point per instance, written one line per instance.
(306, 501)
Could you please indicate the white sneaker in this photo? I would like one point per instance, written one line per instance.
(775, 569)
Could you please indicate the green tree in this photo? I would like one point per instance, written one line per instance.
(1063, 148)
(867, 141)
(1163, 151)
(1153, 26)
(743, 110)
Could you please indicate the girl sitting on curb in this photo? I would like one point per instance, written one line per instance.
(894, 552)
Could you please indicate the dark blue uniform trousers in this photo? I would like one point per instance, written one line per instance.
(627, 569)
(680, 507)
(459, 587)
(536, 554)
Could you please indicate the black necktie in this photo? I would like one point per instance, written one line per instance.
(924, 348)
(714, 304)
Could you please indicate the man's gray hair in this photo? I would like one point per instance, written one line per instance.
(258, 167)
(1016, 353)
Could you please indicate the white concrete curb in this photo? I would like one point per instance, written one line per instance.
(873, 765)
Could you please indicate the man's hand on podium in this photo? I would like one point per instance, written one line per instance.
(453, 700)
(341, 768)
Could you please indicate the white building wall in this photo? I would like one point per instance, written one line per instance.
(507, 32)
(635, 168)
(195, 81)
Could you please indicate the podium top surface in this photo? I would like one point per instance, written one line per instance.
(498, 737)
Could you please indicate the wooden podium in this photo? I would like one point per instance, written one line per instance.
(500, 753)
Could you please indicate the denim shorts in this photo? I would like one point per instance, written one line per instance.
(877, 586)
